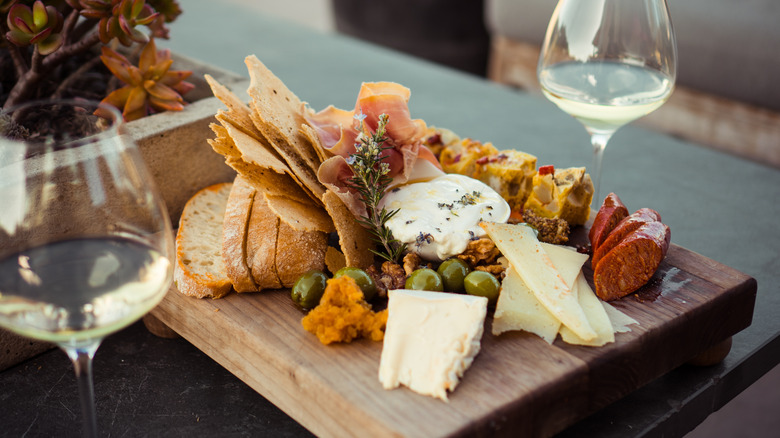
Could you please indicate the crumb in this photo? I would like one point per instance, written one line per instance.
(551, 230)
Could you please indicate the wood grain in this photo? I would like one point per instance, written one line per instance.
(518, 385)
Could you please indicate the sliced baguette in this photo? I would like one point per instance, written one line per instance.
(200, 271)
(261, 240)
(298, 252)
(234, 233)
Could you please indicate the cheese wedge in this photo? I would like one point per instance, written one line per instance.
(597, 317)
(525, 253)
(431, 339)
(519, 309)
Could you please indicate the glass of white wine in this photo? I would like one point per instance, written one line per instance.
(86, 245)
(607, 63)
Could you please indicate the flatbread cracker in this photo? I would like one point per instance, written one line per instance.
(299, 215)
(355, 241)
(334, 259)
(269, 182)
(253, 150)
(279, 108)
(305, 174)
(238, 111)
(278, 114)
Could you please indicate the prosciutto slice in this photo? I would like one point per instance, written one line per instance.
(338, 131)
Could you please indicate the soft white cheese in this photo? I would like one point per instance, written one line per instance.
(438, 218)
(431, 339)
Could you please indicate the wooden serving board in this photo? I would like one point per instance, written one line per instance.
(517, 386)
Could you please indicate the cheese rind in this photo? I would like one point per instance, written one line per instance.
(431, 339)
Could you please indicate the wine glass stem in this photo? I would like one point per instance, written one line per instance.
(81, 356)
(599, 141)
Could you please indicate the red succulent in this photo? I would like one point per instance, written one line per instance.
(40, 26)
(119, 18)
(150, 87)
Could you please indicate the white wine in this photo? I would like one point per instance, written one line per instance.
(81, 289)
(605, 95)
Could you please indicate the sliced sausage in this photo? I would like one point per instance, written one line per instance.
(630, 264)
(623, 229)
(611, 212)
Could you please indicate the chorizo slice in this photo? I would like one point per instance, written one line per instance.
(610, 213)
(630, 264)
(623, 229)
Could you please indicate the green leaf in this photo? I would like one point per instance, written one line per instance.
(39, 15)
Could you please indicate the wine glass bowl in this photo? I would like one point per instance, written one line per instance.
(86, 245)
(607, 63)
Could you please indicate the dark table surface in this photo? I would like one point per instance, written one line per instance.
(717, 205)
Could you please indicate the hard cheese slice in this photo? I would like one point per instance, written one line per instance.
(597, 317)
(519, 309)
(519, 245)
(430, 340)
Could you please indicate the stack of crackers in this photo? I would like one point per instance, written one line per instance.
(270, 144)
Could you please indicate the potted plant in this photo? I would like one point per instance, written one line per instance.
(105, 50)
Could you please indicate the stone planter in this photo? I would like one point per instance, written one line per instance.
(174, 146)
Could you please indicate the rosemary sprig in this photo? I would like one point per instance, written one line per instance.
(370, 179)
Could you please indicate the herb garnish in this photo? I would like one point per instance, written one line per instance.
(370, 179)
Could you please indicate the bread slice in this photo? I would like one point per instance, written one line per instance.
(234, 233)
(261, 240)
(298, 252)
(200, 271)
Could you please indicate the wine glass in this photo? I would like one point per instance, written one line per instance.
(608, 62)
(85, 240)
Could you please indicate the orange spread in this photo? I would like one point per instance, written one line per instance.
(343, 314)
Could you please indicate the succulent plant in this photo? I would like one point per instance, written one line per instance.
(118, 18)
(5, 5)
(40, 26)
(50, 42)
(150, 87)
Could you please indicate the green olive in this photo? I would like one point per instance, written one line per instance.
(308, 289)
(452, 272)
(361, 277)
(425, 279)
(483, 284)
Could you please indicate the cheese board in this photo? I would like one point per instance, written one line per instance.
(517, 386)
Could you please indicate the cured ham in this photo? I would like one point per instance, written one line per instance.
(338, 131)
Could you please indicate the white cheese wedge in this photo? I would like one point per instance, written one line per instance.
(566, 260)
(597, 317)
(438, 218)
(431, 339)
(518, 309)
(518, 243)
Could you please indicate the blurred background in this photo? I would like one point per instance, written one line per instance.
(727, 96)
